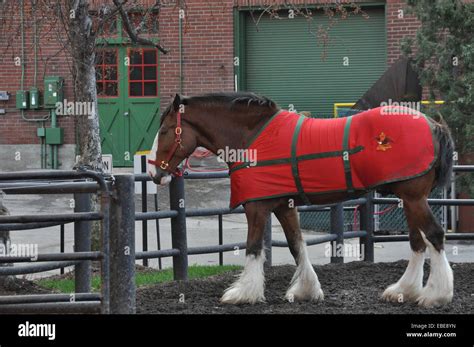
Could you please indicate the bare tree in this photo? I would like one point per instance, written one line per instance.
(82, 34)
(81, 38)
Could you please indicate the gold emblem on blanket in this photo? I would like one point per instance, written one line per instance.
(383, 142)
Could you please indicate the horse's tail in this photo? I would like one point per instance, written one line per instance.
(444, 165)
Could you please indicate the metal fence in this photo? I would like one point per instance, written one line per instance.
(178, 213)
(117, 254)
(60, 182)
(362, 219)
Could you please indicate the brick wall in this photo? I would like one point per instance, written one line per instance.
(208, 43)
(207, 48)
(397, 27)
(52, 60)
(207, 56)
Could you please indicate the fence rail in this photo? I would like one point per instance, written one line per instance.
(33, 182)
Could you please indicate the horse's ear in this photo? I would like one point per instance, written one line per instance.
(177, 101)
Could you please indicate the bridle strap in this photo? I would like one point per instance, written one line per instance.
(165, 164)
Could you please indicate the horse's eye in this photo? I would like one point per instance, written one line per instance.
(163, 132)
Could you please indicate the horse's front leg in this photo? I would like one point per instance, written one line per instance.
(249, 288)
(305, 284)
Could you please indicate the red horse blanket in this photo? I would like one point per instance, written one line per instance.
(296, 155)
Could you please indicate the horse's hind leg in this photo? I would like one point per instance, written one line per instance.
(425, 232)
(305, 284)
(249, 288)
(439, 287)
(409, 286)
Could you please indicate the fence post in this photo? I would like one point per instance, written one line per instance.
(178, 229)
(82, 243)
(267, 242)
(367, 224)
(337, 227)
(157, 225)
(221, 239)
(122, 246)
(61, 244)
(144, 209)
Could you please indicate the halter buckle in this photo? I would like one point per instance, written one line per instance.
(164, 165)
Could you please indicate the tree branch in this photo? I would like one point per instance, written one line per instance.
(131, 30)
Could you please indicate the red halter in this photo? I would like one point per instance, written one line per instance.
(165, 164)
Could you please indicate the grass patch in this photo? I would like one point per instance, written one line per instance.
(66, 285)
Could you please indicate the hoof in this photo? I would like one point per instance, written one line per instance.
(235, 295)
(396, 293)
(315, 296)
(429, 298)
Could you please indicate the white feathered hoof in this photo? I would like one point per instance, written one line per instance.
(237, 294)
(250, 287)
(299, 293)
(305, 285)
(431, 297)
(440, 286)
(400, 294)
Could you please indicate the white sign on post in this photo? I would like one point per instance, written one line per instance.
(107, 163)
(137, 169)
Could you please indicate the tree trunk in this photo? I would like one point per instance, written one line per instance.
(82, 42)
(4, 241)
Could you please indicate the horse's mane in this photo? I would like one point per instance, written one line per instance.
(165, 113)
(233, 100)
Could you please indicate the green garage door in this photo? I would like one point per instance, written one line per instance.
(283, 59)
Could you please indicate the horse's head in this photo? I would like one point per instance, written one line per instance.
(174, 142)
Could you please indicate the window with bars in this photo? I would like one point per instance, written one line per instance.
(143, 72)
(107, 72)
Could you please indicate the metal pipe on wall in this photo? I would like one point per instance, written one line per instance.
(43, 146)
(180, 40)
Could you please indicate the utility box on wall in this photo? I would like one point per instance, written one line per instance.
(34, 98)
(54, 136)
(53, 91)
(22, 101)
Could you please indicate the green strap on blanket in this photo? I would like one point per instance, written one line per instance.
(294, 161)
(346, 155)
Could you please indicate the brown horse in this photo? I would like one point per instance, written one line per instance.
(228, 120)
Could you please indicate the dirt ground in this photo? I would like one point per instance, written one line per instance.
(352, 288)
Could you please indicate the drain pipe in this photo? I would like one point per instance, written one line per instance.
(54, 148)
(180, 39)
(22, 83)
(22, 29)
